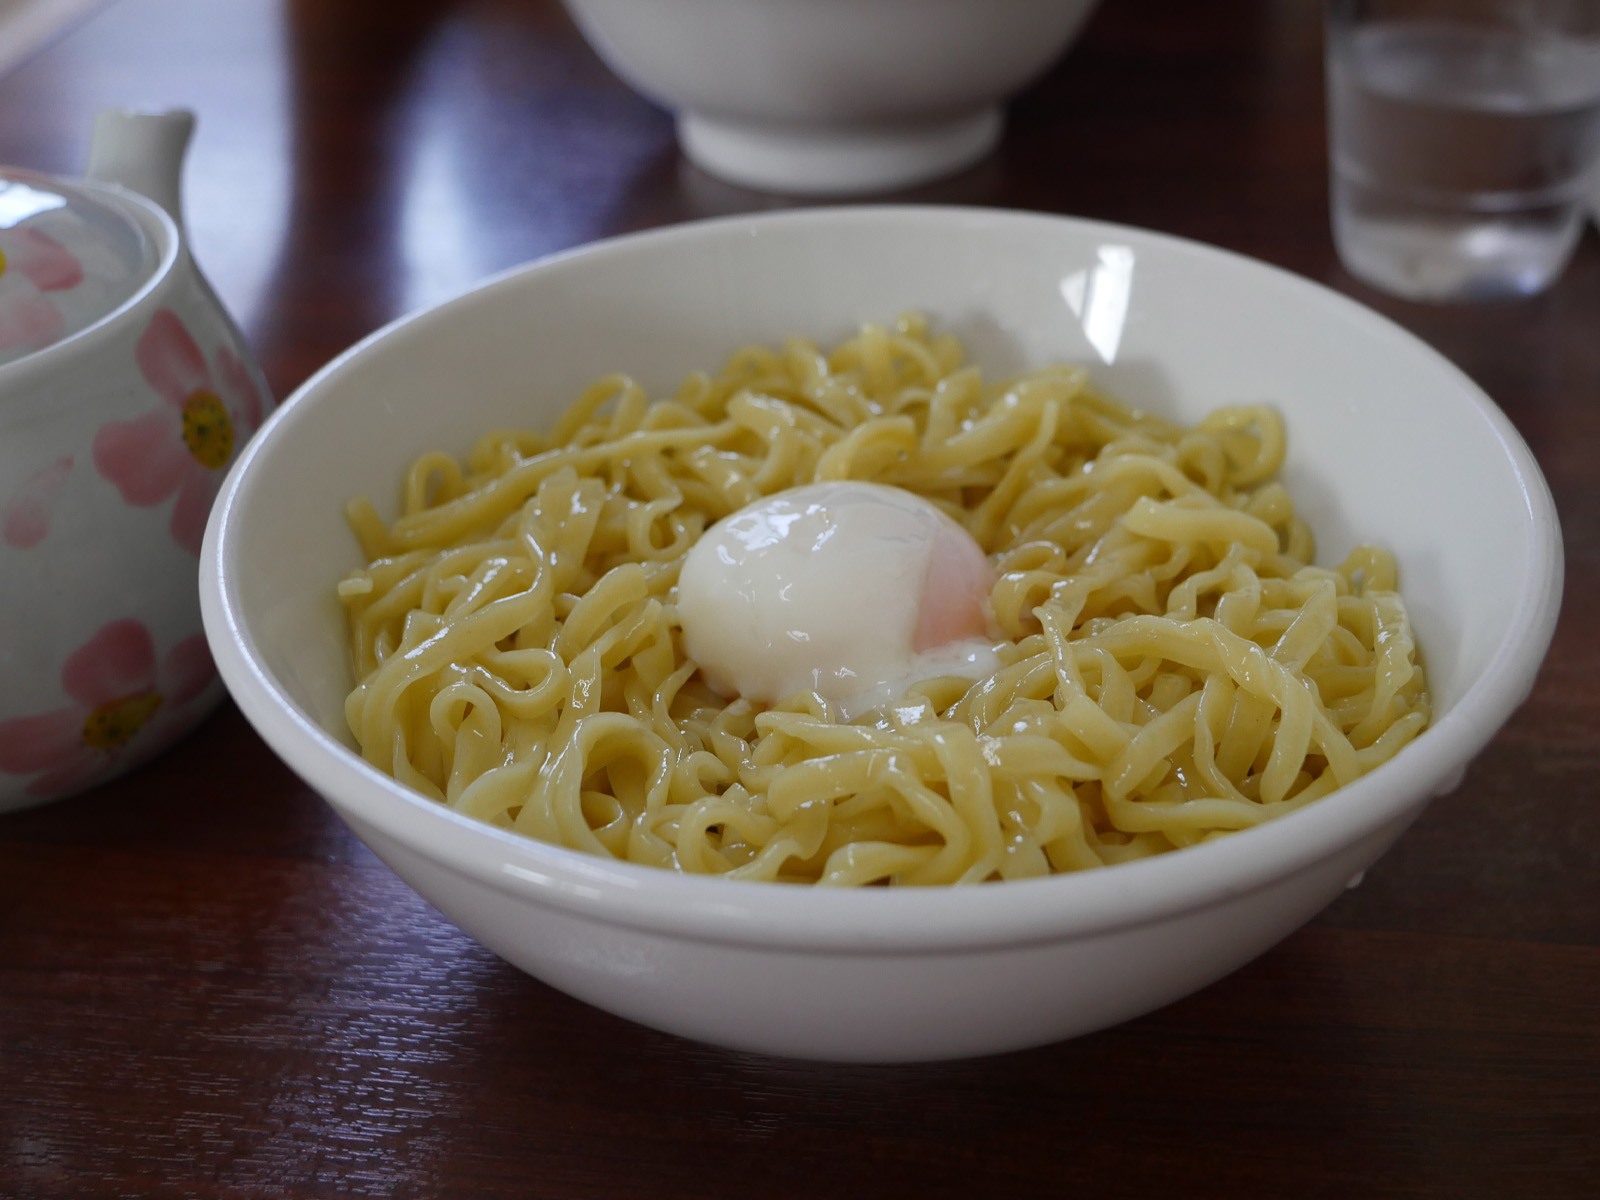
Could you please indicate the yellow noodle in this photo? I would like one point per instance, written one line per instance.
(1172, 666)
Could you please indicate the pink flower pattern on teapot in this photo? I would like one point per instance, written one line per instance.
(31, 264)
(25, 520)
(120, 697)
(183, 445)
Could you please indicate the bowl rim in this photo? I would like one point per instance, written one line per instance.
(879, 920)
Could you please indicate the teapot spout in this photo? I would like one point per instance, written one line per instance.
(144, 153)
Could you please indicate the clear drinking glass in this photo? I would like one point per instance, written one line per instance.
(1464, 138)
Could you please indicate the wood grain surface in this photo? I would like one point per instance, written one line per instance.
(209, 987)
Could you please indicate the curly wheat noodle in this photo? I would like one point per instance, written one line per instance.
(1173, 668)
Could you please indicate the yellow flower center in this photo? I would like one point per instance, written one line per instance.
(207, 431)
(115, 721)
(2, 262)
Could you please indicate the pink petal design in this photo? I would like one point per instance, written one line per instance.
(44, 260)
(116, 662)
(170, 361)
(241, 389)
(144, 457)
(187, 670)
(189, 515)
(74, 775)
(25, 522)
(29, 322)
(40, 743)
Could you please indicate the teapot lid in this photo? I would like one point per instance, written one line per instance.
(68, 257)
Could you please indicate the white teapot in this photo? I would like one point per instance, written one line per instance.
(125, 392)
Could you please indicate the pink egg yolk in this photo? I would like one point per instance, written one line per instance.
(955, 591)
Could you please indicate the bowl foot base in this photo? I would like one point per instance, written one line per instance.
(819, 159)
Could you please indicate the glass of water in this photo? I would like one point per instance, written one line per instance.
(1465, 141)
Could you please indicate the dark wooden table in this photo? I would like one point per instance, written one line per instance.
(209, 987)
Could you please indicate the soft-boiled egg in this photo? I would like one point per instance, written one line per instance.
(852, 590)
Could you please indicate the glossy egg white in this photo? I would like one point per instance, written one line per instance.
(850, 590)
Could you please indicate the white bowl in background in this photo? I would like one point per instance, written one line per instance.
(831, 97)
(1388, 442)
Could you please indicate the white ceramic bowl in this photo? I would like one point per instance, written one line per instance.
(1388, 442)
(831, 97)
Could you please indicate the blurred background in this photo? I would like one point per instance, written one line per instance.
(481, 133)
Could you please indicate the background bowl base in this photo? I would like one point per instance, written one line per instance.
(817, 159)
